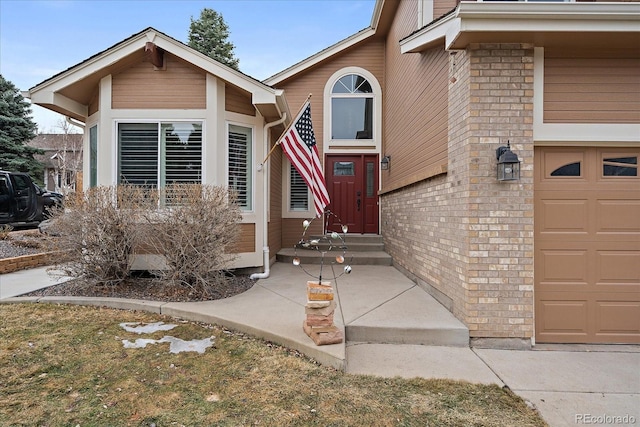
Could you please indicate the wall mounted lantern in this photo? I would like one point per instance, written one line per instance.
(384, 163)
(508, 164)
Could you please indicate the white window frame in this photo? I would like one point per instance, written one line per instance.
(425, 12)
(286, 201)
(252, 161)
(158, 122)
(335, 146)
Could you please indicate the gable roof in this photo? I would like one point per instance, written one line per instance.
(381, 20)
(68, 92)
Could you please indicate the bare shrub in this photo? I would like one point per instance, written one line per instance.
(195, 234)
(96, 233)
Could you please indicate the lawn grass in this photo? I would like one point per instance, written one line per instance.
(67, 366)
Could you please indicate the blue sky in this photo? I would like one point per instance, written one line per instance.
(38, 39)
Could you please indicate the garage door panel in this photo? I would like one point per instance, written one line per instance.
(618, 267)
(618, 317)
(564, 216)
(618, 216)
(563, 316)
(564, 266)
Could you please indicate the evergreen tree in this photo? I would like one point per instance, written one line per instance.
(16, 129)
(209, 34)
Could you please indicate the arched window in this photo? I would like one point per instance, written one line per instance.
(352, 108)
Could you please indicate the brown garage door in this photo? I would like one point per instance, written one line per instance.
(587, 245)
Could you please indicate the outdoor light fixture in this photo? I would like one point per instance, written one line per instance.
(384, 163)
(508, 164)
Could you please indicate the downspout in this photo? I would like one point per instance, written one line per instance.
(265, 237)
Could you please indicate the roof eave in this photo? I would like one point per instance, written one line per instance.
(500, 17)
(320, 56)
(45, 93)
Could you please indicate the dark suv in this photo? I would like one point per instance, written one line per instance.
(22, 202)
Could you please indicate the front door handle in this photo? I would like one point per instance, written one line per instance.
(358, 203)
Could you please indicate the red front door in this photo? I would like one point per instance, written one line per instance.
(352, 181)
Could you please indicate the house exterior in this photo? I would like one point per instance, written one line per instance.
(431, 89)
(551, 257)
(62, 160)
(158, 112)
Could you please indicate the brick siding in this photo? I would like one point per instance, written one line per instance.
(464, 233)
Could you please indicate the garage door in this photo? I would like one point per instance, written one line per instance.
(587, 245)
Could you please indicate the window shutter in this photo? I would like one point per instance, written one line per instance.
(138, 153)
(182, 160)
(298, 194)
(240, 164)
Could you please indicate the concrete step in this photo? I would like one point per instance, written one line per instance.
(307, 256)
(413, 317)
(350, 246)
(354, 242)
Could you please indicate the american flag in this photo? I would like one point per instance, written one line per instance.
(299, 144)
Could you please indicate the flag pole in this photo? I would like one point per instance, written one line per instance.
(285, 130)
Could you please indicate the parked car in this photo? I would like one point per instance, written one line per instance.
(22, 202)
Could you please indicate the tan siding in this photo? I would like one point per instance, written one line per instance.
(441, 7)
(292, 231)
(275, 198)
(179, 86)
(246, 239)
(367, 55)
(415, 107)
(586, 86)
(238, 101)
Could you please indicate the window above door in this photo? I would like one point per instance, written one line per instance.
(352, 112)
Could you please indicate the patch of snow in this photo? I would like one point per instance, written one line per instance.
(176, 345)
(139, 343)
(148, 328)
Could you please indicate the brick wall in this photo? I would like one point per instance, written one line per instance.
(464, 234)
(9, 265)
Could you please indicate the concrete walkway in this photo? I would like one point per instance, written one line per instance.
(570, 385)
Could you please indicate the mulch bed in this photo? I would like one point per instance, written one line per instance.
(140, 286)
(146, 288)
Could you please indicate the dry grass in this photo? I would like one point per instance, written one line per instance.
(66, 365)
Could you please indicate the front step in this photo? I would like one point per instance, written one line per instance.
(351, 258)
(361, 249)
(413, 317)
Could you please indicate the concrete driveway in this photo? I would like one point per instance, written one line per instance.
(574, 387)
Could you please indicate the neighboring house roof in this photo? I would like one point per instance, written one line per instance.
(69, 92)
(54, 144)
(541, 23)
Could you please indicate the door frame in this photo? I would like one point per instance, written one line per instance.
(373, 228)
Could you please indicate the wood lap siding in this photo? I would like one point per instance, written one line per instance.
(238, 101)
(275, 196)
(180, 86)
(368, 55)
(415, 106)
(292, 230)
(441, 7)
(246, 240)
(583, 86)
